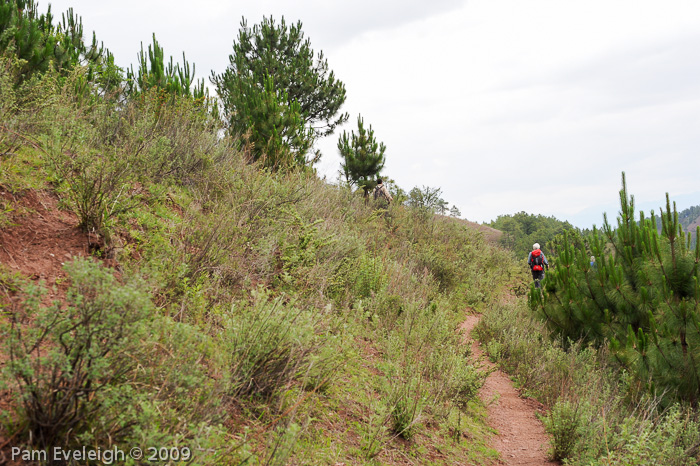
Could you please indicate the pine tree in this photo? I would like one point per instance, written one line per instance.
(363, 156)
(442, 206)
(173, 78)
(273, 126)
(280, 53)
(39, 44)
(642, 295)
(24, 30)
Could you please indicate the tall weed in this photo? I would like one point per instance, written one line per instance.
(175, 141)
(271, 344)
(99, 186)
(406, 399)
(564, 424)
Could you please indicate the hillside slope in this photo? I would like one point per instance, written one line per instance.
(492, 235)
(194, 301)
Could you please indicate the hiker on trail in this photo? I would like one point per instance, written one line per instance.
(537, 263)
(381, 193)
(594, 265)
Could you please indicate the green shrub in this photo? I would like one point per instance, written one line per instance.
(281, 444)
(9, 138)
(357, 277)
(99, 186)
(671, 440)
(103, 369)
(33, 106)
(368, 276)
(563, 423)
(301, 248)
(440, 267)
(66, 359)
(270, 343)
(373, 433)
(463, 380)
(10, 282)
(175, 398)
(174, 141)
(389, 308)
(406, 400)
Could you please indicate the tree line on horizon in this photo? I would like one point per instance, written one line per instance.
(521, 230)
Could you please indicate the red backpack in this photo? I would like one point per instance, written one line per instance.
(537, 260)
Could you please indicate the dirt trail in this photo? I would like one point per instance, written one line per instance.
(521, 438)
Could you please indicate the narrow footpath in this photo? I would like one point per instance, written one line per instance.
(521, 438)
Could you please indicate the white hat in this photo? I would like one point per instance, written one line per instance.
(535, 246)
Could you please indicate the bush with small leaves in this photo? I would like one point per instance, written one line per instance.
(564, 425)
(270, 344)
(406, 399)
(64, 358)
(99, 186)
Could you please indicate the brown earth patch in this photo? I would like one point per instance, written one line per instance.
(40, 237)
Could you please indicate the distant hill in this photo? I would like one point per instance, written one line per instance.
(694, 225)
(689, 219)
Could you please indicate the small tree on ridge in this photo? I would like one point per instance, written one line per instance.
(363, 156)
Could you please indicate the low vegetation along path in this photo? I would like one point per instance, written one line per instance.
(521, 438)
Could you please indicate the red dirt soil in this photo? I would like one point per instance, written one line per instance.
(40, 237)
(521, 438)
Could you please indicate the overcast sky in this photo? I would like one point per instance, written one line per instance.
(508, 106)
